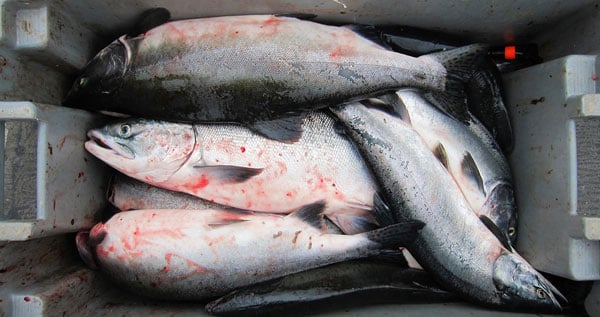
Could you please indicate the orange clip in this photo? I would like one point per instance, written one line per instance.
(510, 52)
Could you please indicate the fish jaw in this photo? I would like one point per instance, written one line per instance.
(85, 250)
(113, 158)
(106, 147)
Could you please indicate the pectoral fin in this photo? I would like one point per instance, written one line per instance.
(227, 174)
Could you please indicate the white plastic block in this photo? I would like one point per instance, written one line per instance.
(555, 113)
(50, 184)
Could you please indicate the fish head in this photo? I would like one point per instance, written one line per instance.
(520, 286)
(101, 77)
(502, 208)
(148, 150)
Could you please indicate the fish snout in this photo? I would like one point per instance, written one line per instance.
(522, 287)
(85, 250)
(97, 235)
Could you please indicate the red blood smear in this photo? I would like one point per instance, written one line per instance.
(201, 183)
(242, 149)
(27, 299)
(62, 142)
(340, 51)
(175, 32)
(594, 77)
(272, 22)
(336, 53)
(101, 252)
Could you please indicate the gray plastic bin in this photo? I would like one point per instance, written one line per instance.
(50, 187)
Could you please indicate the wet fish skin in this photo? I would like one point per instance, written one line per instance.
(252, 69)
(487, 182)
(230, 165)
(212, 252)
(127, 193)
(362, 278)
(455, 246)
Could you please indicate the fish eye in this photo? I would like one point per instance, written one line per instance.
(511, 231)
(125, 131)
(540, 293)
(83, 81)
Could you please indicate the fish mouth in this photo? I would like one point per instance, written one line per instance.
(99, 144)
(86, 250)
(552, 292)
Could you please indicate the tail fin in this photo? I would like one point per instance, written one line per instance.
(473, 85)
(486, 103)
(396, 235)
(459, 64)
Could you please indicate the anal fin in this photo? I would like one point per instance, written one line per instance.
(311, 214)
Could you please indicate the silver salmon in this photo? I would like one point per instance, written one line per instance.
(231, 165)
(194, 255)
(359, 283)
(474, 159)
(254, 69)
(127, 193)
(455, 246)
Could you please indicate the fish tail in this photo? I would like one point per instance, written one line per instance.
(459, 64)
(474, 85)
(396, 235)
(486, 102)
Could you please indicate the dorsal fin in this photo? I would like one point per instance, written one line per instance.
(369, 32)
(396, 103)
(440, 153)
(469, 168)
(311, 214)
(150, 19)
(496, 231)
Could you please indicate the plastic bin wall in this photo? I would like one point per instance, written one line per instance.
(51, 188)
